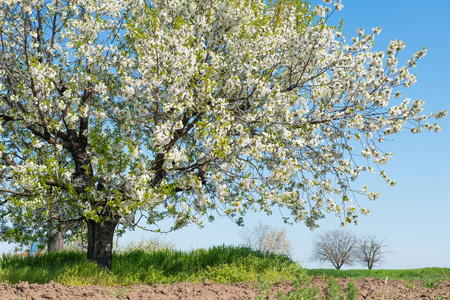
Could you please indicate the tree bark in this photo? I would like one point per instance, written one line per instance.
(57, 244)
(100, 242)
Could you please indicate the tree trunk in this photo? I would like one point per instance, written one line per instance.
(100, 242)
(57, 244)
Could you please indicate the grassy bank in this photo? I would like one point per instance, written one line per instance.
(165, 265)
(219, 264)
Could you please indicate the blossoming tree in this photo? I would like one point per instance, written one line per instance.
(185, 109)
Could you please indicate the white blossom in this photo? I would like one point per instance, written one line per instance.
(181, 109)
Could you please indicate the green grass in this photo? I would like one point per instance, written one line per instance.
(152, 263)
(424, 274)
(219, 264)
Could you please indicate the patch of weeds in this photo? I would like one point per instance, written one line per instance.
(351, 291)
(228, 273)
(301, 282)
(118, 293)
(305, 290)
(264, 288)
(410, 285)
(430, 284)
(333, 290)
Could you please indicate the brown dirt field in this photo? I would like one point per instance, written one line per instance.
(369, 288)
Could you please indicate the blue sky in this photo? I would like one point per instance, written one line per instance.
(414, 216)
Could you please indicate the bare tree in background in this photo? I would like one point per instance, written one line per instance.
(370, 251)
(336, 246)
(265, 238)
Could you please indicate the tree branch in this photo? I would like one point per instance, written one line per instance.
(13, 192)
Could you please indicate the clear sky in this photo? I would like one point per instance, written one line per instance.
(414, 216)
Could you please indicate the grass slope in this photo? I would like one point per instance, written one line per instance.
(165, 265)
(219, 264)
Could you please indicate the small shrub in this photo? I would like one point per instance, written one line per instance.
(147, 245)
(267, 239)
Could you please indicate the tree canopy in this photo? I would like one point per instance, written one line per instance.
(189, 109)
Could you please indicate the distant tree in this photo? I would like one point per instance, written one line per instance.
(335, 246)
(370, 251)
(267, 239)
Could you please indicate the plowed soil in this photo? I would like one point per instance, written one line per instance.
(369, 288)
